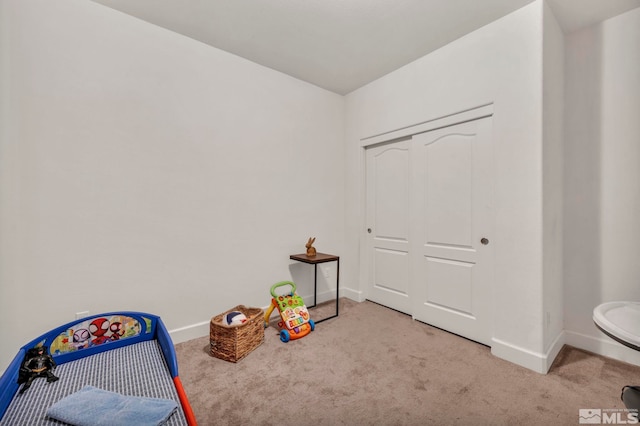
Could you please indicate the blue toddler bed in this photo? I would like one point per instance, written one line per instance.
(123, 359)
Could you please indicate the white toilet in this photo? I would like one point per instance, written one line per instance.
(621, 322)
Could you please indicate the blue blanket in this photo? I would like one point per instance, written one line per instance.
(91, 406)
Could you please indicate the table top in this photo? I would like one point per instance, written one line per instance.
(318, 258)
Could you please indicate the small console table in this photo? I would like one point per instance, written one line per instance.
(320, 258)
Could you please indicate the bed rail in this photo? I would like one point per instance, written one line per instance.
(94, 334)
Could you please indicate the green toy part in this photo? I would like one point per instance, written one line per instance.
(282, 284)
(291, 307)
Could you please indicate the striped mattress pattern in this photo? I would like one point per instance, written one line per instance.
(136, 370)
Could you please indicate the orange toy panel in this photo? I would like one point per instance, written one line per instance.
(293, 311)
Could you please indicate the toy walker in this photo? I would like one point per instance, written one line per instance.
(295, 322)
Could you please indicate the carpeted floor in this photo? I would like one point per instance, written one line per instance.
(376, 366)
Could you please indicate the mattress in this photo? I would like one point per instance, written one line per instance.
(135, 370)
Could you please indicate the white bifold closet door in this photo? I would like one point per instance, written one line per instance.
(388, 212)
(429, 207)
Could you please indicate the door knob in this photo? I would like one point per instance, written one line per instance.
(369, 230)
(484, 241)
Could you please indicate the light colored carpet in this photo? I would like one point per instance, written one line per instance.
(376, 366)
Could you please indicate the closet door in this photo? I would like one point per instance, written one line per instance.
(451, 229)
(387, 218)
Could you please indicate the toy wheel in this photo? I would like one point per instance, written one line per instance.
(312, 324)
(284, 336)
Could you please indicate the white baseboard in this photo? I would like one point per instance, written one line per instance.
(604, 346)
(324, 296)
(555, 349)
(190, 332)
(541, 362)
(352, 294)
(201, 329)
(536, 361)
(331, 295)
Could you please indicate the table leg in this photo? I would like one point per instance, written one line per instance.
(337, 291)
(315, 284)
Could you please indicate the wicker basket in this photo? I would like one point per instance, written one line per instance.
(232, 343)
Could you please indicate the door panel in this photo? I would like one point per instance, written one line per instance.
(447, 177)
(388, 221)
(429, 204)
(456, 295)
(452, 195)
(392, 271)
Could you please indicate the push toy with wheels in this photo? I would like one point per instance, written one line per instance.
(295, 322)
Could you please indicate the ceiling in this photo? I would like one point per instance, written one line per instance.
(341, 45)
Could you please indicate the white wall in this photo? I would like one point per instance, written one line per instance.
(143, 170)
(500, 63)
(552, 177)
(602, 176)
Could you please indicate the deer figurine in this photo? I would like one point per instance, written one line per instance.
(311, 251)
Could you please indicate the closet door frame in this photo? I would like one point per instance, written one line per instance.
(388, 137)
